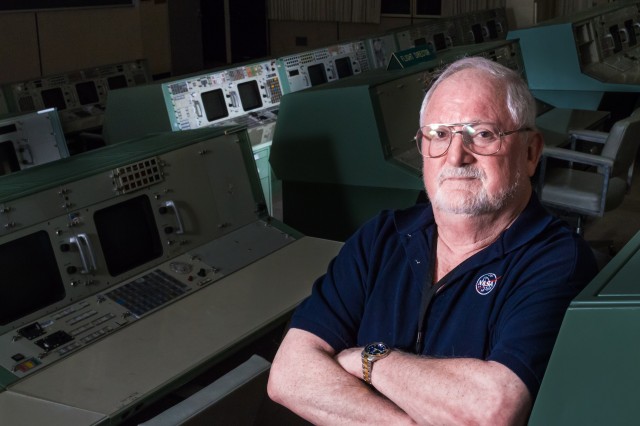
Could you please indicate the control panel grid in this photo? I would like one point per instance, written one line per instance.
(148, 292)
(138, 175)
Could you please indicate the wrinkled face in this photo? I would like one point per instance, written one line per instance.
(461, 182)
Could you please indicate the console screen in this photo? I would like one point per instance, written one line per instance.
(343, 67)
(317, 74)
(128, 234)
(30, 276)
(631, 31)
(439, 41)
(8, 159)
(117, 82)
(476, 29)
(87, 93)
(214, 105)
(249, 95)
(53, 98)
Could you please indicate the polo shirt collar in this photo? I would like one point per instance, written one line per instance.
(417, 221)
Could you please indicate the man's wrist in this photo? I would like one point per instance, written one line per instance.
(370, 354)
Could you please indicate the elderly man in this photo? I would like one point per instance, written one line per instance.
(446, 312)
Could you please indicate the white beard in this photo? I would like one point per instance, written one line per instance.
(478, 202)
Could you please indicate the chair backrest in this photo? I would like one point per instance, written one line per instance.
(622, 144)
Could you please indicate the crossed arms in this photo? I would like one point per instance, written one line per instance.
(308, 377)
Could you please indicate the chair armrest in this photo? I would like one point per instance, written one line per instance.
(588, 135)
(578, 157)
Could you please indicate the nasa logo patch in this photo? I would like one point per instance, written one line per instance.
(486, 283)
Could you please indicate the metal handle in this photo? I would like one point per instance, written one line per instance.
(88, 262)
(171, 205)
(26, 148)
(625, 33)
(609, 39)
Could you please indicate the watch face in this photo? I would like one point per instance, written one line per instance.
(378, 348)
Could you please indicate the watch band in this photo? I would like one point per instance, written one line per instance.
(370, 354)
(366, 370)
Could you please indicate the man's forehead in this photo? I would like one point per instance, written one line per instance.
(468, 96)
(470, 79)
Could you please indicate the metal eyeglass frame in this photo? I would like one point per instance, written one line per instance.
(467, 140)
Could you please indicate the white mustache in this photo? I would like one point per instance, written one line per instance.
(460, 172)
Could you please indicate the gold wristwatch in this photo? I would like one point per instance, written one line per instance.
(370, 354)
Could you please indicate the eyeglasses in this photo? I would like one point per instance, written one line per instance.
(433, 140)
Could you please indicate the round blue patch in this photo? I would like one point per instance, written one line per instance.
(486, 283)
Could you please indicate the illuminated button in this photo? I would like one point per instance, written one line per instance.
(26, 365)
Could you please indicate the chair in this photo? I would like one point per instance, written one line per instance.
(600, 186)
(635, 115)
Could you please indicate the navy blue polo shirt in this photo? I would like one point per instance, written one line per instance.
(505, 303)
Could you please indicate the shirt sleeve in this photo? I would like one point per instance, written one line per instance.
(530, 320)
(336, 306)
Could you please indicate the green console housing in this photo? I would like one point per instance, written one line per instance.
(593, 377)
(345, 151)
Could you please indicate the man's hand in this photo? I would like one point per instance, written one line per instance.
(351, 360)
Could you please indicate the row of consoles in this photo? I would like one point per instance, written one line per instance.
(594, 44)
(596, 58)
(604, 42)
(57, 116)
(249, 92)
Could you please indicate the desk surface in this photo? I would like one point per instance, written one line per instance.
(117, 373)
(556, 123)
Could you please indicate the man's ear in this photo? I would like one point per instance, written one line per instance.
(535, 146)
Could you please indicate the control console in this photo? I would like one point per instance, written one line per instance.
(303, 70)
(79, 96)
(220, 96)
(91, 243)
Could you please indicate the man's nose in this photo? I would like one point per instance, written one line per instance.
(458, 152)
